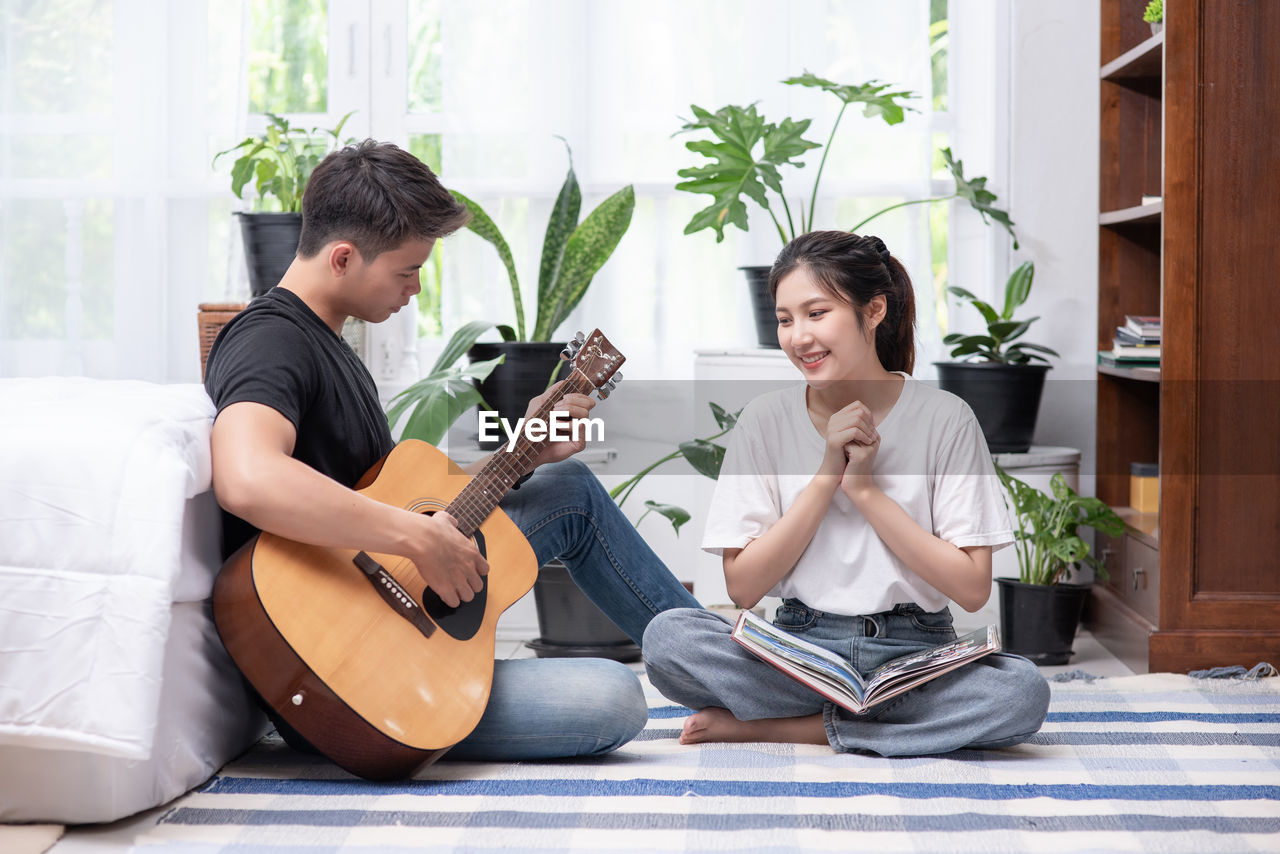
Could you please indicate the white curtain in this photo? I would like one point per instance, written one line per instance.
(113, 226)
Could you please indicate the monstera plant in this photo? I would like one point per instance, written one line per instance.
(748, 150)
(747, 153)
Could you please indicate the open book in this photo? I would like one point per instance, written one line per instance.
(837, 680)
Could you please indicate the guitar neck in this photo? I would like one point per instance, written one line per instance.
(504, 467)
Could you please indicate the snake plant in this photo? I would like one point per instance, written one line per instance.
(572, 251)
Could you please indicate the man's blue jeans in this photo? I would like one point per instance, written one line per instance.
(996, 701)
(543, 708)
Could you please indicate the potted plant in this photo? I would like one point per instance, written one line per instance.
(747, 150)
(433, 403)
(1003, 387)
(278, 162)
(572, 253)
(1154, 15)
(1039, 610)
(704, 455)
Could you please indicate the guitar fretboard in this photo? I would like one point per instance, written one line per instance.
(503, 468)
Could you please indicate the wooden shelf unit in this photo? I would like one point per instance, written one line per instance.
(1185, 119)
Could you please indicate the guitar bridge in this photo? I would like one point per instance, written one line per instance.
(393, 593)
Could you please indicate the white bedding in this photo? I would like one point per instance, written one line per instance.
(204, 718)
(106, 528)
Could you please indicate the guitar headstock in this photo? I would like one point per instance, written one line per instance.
(597, 360)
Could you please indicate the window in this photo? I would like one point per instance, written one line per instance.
(113, 225)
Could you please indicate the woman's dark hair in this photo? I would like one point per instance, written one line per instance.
(376, 195)
(854, 269)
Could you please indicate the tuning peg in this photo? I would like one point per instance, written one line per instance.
(570, 352)
(608, 388)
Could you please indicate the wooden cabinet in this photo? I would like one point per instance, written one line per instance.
(1189, 190)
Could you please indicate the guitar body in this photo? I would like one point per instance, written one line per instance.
(334, 648)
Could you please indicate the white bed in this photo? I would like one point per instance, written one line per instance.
(115, 693)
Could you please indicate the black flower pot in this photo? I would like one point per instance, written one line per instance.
(522, 376)
(571, 625)
(270, 244)
(1039, 621)
(1005, 399)
(762, 306)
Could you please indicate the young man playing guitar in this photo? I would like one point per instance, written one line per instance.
(299, 425)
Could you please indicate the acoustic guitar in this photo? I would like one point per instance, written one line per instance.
(350, 647)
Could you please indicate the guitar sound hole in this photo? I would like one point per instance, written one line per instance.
(462, 622)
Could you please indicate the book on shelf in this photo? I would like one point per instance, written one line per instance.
(838, 681)
(1143, 325)
(1128, 338)
(1122, 353)
(1147, 360)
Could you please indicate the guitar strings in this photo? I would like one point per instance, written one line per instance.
(478, 499)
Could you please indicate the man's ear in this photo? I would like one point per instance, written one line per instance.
(342, 255)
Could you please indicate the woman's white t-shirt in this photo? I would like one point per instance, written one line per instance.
(933, 461)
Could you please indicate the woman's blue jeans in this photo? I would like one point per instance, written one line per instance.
(996, 701)
(549, 707)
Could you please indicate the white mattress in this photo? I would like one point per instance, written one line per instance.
(204, 719)
(115, 694)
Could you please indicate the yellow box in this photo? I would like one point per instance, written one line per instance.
(1144, 487)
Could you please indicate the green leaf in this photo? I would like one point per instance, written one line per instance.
(735, 170)
(460, 343)
(586, 251)
(988, 313)
(1007, 330)
(970, 344)
(1023, 345)
(677, 515)
(724, 418)
(1018, 288)
(482, 225)
(975, 193)
(706, 457)
(438, 400)
(875, 101)
(242, 173)
(1069, 549)
(562, 222)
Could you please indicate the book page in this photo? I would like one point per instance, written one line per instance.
(810, 656)
(837, 680)
(910, 670)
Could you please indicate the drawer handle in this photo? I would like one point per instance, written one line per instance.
(1137, 571)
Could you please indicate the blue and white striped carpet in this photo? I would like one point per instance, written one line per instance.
(1143, 763)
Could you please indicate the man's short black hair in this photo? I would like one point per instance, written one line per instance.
(376, 195)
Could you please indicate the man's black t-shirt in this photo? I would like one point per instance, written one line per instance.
(279, 353)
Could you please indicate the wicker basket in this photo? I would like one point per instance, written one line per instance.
(211, 318)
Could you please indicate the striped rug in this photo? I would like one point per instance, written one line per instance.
(1143, 763)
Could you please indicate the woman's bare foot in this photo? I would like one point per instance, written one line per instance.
(714, 724)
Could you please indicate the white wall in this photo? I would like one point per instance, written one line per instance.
(1053, 195)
